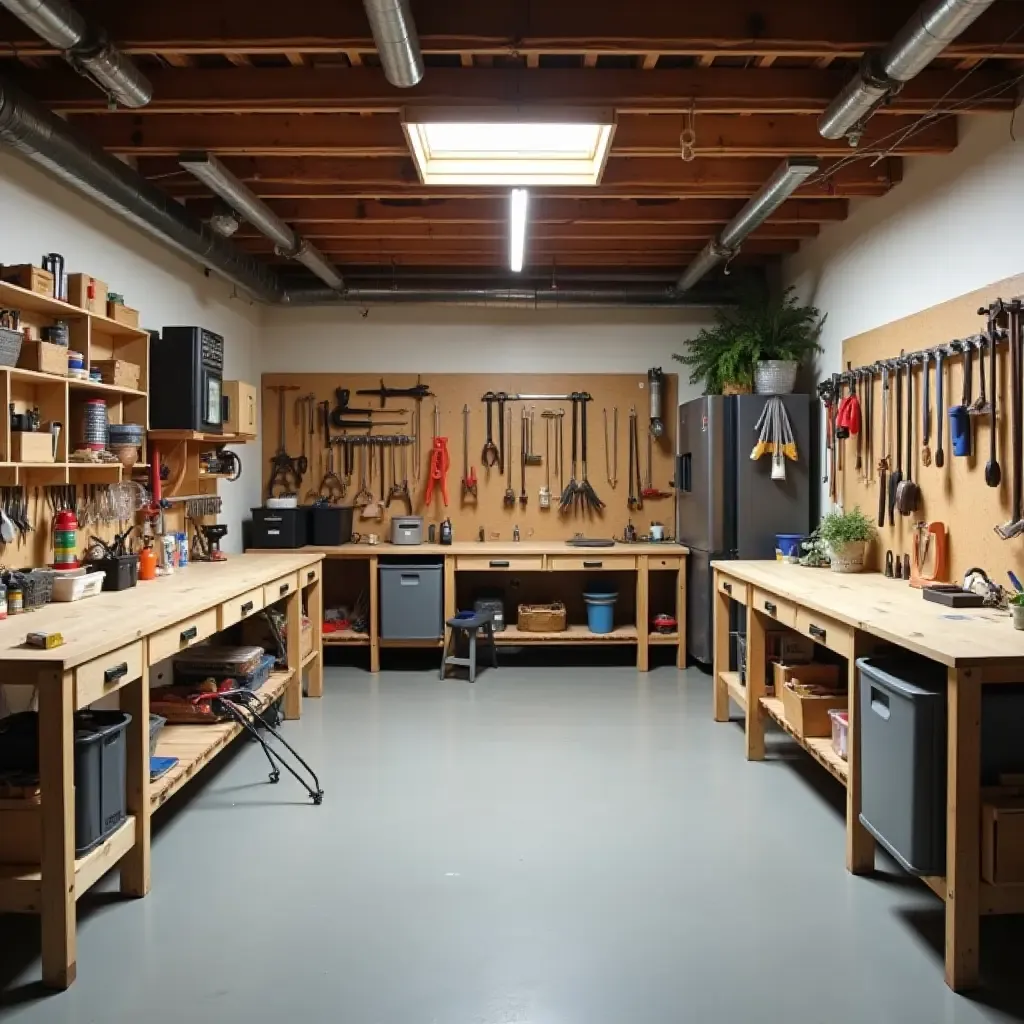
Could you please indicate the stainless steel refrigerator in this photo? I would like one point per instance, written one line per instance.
(727, 505)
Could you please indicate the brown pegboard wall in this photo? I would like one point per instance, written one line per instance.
(955, 494)
(452, 392)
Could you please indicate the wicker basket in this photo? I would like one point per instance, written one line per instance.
(775, 376)
(541, 618)
(10, 346)
(849, 557)
(732, 387)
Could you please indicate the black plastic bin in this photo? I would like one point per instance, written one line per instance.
(100, 768)
(280, 527)
(122, 571)
(330, 525)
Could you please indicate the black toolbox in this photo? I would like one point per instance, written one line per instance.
(280, 527)
(330, 525)
(122, 571)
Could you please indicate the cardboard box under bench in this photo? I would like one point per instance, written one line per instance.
(119, 372)
(1002, 842)
(807, 715)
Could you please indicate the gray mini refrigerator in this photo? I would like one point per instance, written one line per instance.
(727, 505)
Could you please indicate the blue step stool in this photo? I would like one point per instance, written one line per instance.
(468, 626)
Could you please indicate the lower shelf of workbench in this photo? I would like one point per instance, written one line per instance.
(570, 635)
(820, 748)
(195, 746)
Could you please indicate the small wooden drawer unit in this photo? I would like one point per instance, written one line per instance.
(95, 679)
(182, 634)
(595, 562)
(240, 607)
(308, 576)
(830, 633)
(736, 589)
(772, 606)
(280, 589)
(499, 563)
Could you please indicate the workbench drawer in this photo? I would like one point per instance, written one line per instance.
(830, 633)
(280, 589)
(772, 606)
(182, 634)
(97, 678)
(310, 575)
(731, 587)
(240, 607)
(664, 562)
(499, 563)
(595, 562)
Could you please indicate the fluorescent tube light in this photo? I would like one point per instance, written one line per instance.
(509, 146)
(518, 205)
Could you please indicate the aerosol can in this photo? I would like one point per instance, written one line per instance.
(655, 381)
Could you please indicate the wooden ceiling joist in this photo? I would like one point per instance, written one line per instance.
(340, 90)
(784, 27)
(381, 135)
(484, 210)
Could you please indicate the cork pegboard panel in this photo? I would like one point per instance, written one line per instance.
(453, 391)
(956, 494)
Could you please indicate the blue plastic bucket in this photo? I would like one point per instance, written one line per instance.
(601, 611)
(787, 546)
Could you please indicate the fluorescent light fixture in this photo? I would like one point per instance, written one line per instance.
(509, 145)
(518, 205)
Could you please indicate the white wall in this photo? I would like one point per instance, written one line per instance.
(41, 215)
(947, 229)
(431, 339)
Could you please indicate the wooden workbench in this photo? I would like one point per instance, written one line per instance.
(464, 557)
(853, 615)
(112, 642)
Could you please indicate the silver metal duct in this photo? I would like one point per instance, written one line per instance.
(394, 33)
(929, 31)
(88, 50)
(46, 140)
(216, 177)
(789, 176)
(520, 298)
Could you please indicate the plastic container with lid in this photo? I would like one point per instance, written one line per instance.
(840, 733)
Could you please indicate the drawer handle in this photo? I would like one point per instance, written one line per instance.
(284, 588)
(727, 587)
(247, 607)
(498, 565)
(817, 632)
(189, 634)
(769, 607)
(311, 575)
(592, 565)
(115, 672)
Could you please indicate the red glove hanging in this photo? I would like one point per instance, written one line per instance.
(440, 462)
(849, 414)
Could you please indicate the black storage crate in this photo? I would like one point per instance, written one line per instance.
(330, 525)
(280, 527)
(122, 571)
(101, 768)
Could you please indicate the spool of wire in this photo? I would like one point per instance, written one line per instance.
(94, 425)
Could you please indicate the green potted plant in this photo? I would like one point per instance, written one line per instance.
(761, 341)
(847, 535)
(1017, 610)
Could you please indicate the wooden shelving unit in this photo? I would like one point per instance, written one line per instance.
(737, 691)
(346, 638)
(571, 635)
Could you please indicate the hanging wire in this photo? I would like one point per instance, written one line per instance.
(688, 136)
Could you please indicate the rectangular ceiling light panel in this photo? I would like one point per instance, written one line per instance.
(509, 146)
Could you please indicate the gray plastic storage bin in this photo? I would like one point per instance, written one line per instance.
(411, 601)
(100, 776)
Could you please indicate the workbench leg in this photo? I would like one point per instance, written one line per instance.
(374, 616)
(860, 844)
(681, 614)
(721, 606)
(315, 611)
(135, 880)
(293, 691)
(57, 786)
(755, 684)
(643, 600)
(963, 827)
(450, 602)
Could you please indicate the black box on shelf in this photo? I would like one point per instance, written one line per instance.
(330, 525)
(280, 527)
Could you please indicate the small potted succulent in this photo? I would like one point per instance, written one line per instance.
(847, 536)
(1016, 603)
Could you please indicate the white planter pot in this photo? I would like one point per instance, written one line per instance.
(775, 377)
(849, 557)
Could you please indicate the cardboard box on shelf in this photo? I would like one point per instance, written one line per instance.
(123, 314)
(1002, 842)
(807, 715)
(44, 357)
(825, 675)
(240, 408)
(31, 446)
(119, 372)
(35, 279)
(782, 644)
(88, 293)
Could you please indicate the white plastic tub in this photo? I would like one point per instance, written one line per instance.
(840, 732)
(75, 588)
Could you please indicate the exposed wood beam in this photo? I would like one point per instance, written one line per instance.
(355, 58)
(766, 61)
(650, 61)
(485, 209)
(711, 90)
(533, 59)
(600, 26)
(705, 60)
(381, 135)
(240, 60)
(824, 61)
(968, 63)
(177, 60)
(590, 60)
(466, 60)
(297, 60)
(724, 178)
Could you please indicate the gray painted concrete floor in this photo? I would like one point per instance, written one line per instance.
(552, 846)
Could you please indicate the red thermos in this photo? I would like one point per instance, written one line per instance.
(65, 541)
